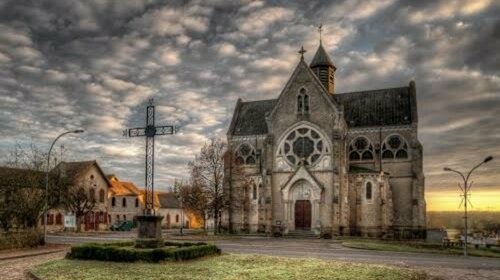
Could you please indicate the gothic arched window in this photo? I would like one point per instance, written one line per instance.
(245, 154)
(303, 144)
(302, 102)
(395, 147)
(368, 190)
(360, 149)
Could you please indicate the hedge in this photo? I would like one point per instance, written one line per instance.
(17, 240)
(183, 251)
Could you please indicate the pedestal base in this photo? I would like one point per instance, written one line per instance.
(149, 232)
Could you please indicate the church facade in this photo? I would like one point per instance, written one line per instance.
(326, 163)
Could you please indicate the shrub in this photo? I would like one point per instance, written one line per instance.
(108, 252)
(16, 240)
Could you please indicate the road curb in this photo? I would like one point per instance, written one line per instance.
(32, 255)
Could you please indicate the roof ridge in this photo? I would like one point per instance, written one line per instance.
(372, 90)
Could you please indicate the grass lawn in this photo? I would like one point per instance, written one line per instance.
(418, 248)
(224, 267)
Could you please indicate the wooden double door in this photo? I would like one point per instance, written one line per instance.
(302, 215)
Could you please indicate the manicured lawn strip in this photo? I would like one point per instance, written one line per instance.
(418, 248)
(224, 267)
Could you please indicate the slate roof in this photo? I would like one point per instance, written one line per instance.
(321, 58)
(251, 117)
(168, 200)
(382, 107)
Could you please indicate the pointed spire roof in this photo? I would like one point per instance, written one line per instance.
(321, 58)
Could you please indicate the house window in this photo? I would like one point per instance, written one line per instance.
(58, 219)
(368, 190)
(361, 149)
(124, 217)
(302, 102)
(92, 194)
(113, 201)
(177, 218)
(136, 202)
(395, 147)
(245, 154)
(124, 202)
(117, 218)
(101, 196)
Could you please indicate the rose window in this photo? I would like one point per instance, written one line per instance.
(303, 145)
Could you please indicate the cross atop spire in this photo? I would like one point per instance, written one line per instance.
(320, 29)
(302, 51)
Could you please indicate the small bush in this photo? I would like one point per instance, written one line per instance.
(17, 240)
(108, 252)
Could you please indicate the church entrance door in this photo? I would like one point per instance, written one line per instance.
(302, 215)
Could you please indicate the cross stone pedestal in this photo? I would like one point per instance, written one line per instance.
(149, 232)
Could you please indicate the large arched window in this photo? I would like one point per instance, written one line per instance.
(302, 102)
(368, 191)
(395, 147)
(304, 144)
(245, 154)
(360, 149)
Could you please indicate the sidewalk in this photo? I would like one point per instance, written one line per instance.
(22, 253)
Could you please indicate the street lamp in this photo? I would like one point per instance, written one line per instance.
(465, 190)
(47, 181)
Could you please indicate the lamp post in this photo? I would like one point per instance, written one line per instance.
(465, 189)
(47, 181)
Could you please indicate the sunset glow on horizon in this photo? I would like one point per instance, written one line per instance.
(448, 200)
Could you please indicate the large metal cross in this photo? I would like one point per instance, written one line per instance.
(150, 131)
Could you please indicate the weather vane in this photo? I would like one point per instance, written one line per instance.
(320, 29)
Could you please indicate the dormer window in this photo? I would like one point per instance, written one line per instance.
(302, 102)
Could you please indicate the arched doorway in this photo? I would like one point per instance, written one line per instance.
(302, 215)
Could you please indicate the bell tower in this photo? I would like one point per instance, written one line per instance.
(323, 66)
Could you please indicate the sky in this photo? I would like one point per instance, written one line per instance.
(94, 64)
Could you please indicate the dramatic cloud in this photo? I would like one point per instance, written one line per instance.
(95, 64)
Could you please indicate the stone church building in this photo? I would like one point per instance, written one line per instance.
(319, 162)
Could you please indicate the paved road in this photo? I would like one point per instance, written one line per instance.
(451, 267)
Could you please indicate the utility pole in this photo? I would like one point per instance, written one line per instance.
(465, 190)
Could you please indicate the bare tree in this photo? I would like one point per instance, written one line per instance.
(207, 172)
(78, 201)
(194, 200)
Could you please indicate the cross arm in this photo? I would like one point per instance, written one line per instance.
(135, 132)
(166, 130)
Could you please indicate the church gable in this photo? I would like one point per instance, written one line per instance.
(303, 95)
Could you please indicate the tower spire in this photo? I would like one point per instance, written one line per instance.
(322, 65)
